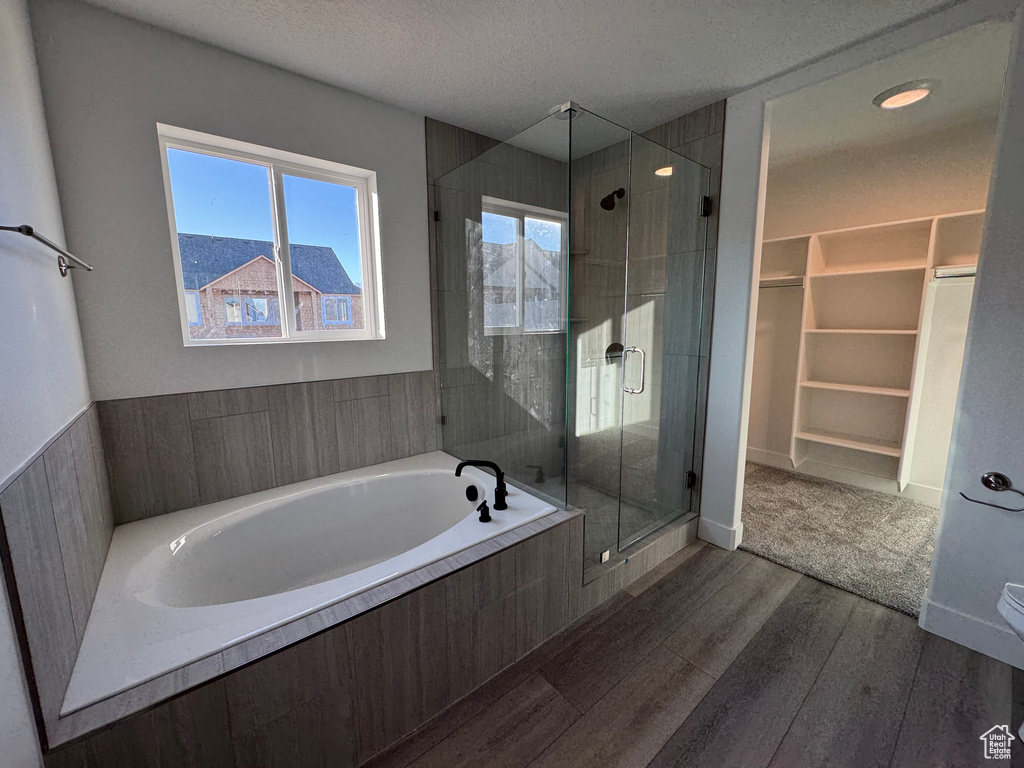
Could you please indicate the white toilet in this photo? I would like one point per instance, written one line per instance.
(1011, 606)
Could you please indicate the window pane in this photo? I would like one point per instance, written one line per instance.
(337, 310)
(325, 250)
(192, 308)
(501, 270)
(542, 282)
(330, 310)
(233, 311)
(225, 231)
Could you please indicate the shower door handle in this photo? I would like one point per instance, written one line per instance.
(643, 371)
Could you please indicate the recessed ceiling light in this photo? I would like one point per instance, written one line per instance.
(904, 95)
(666, 171)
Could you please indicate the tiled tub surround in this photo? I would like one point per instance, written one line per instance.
(174, 452)
(182, 587)
(375, 667)
(407, 650)
(57, 525)
(541, 607)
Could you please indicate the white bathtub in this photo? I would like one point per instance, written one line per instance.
(181, 587)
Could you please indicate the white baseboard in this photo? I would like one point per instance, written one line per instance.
(999, 642)
(770, 458)
(720, 535)
(922, 493)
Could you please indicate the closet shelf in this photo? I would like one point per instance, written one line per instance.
(871, 271)
(890, 331)
(862, 389)
(857, 442)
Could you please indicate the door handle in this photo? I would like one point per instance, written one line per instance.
(643, 371)
(996, 481)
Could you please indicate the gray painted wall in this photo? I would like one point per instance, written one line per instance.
(41, 342)
(979, 549)
(106, 82)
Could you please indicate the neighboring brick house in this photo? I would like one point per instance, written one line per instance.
(231, 288)
(536, 282)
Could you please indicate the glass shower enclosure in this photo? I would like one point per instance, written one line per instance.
(570, 282)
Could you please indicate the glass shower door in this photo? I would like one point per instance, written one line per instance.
(661, 337)
(502, 231)
(598, 227)
(570, 274)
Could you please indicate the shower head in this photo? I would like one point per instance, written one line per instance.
(608, 203)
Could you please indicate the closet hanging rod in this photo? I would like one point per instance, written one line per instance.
(65, 260)
(939, 275)
(769, 283)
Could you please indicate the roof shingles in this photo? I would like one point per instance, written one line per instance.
(205, 258)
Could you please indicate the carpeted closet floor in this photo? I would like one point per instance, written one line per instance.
(873, 544)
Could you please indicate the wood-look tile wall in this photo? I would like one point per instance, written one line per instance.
(338, 698)
(503, 396)
(699, 136)
(57, 521)
(177, 451)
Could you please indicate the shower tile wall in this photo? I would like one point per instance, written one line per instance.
(57, 524)
(503, 397)
(597, 270)
(699, 136)
(177, 451)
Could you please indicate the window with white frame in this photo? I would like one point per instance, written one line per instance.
(336, 310)
(270, 246)
(524, 275)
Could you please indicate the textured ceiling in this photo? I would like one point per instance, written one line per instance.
(969, 67)
(497, 66)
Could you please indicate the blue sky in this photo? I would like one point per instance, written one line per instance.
(230, 198)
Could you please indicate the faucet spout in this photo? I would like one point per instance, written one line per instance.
(500, 490)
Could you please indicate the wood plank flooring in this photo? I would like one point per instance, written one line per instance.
(730, 660)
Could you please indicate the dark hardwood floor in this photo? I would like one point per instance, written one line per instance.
(730, 660)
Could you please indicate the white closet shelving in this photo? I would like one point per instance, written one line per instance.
(862, 298)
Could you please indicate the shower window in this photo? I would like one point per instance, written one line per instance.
(524, 254)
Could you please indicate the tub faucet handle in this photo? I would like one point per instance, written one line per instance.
(500, 490)
(485, 513)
